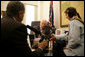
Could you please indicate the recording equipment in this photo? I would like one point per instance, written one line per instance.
(46, 32)
(53, 29)
(43, 36)
(33, 29)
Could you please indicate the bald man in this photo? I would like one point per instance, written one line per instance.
(42, 25)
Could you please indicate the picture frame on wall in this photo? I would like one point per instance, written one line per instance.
(79, 5)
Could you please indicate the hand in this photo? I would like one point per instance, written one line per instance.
(43, 44)
(53, 35)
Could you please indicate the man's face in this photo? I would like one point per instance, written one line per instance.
(20, 16)
(42, 24)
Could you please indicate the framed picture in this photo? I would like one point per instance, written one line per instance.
(79, 5)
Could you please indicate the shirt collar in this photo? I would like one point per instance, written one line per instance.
(74, 17)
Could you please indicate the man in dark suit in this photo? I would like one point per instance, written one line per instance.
(14, 34)
(43, 28)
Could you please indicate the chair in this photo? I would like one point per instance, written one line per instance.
(35, 24)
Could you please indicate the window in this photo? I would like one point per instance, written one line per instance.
(30, 15)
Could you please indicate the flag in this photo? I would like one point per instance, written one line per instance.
(51, 18)
(51, 14)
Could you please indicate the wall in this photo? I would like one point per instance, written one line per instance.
(56, 8)
(4, 5)
(56, 5)
(35, 3)
(45, 6)
(42, 8)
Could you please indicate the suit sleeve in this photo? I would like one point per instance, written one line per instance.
(20, 40)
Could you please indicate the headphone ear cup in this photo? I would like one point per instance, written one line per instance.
(69, 13)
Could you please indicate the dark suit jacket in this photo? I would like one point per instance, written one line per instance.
(14, 39)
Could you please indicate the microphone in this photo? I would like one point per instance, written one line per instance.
(33, 29)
